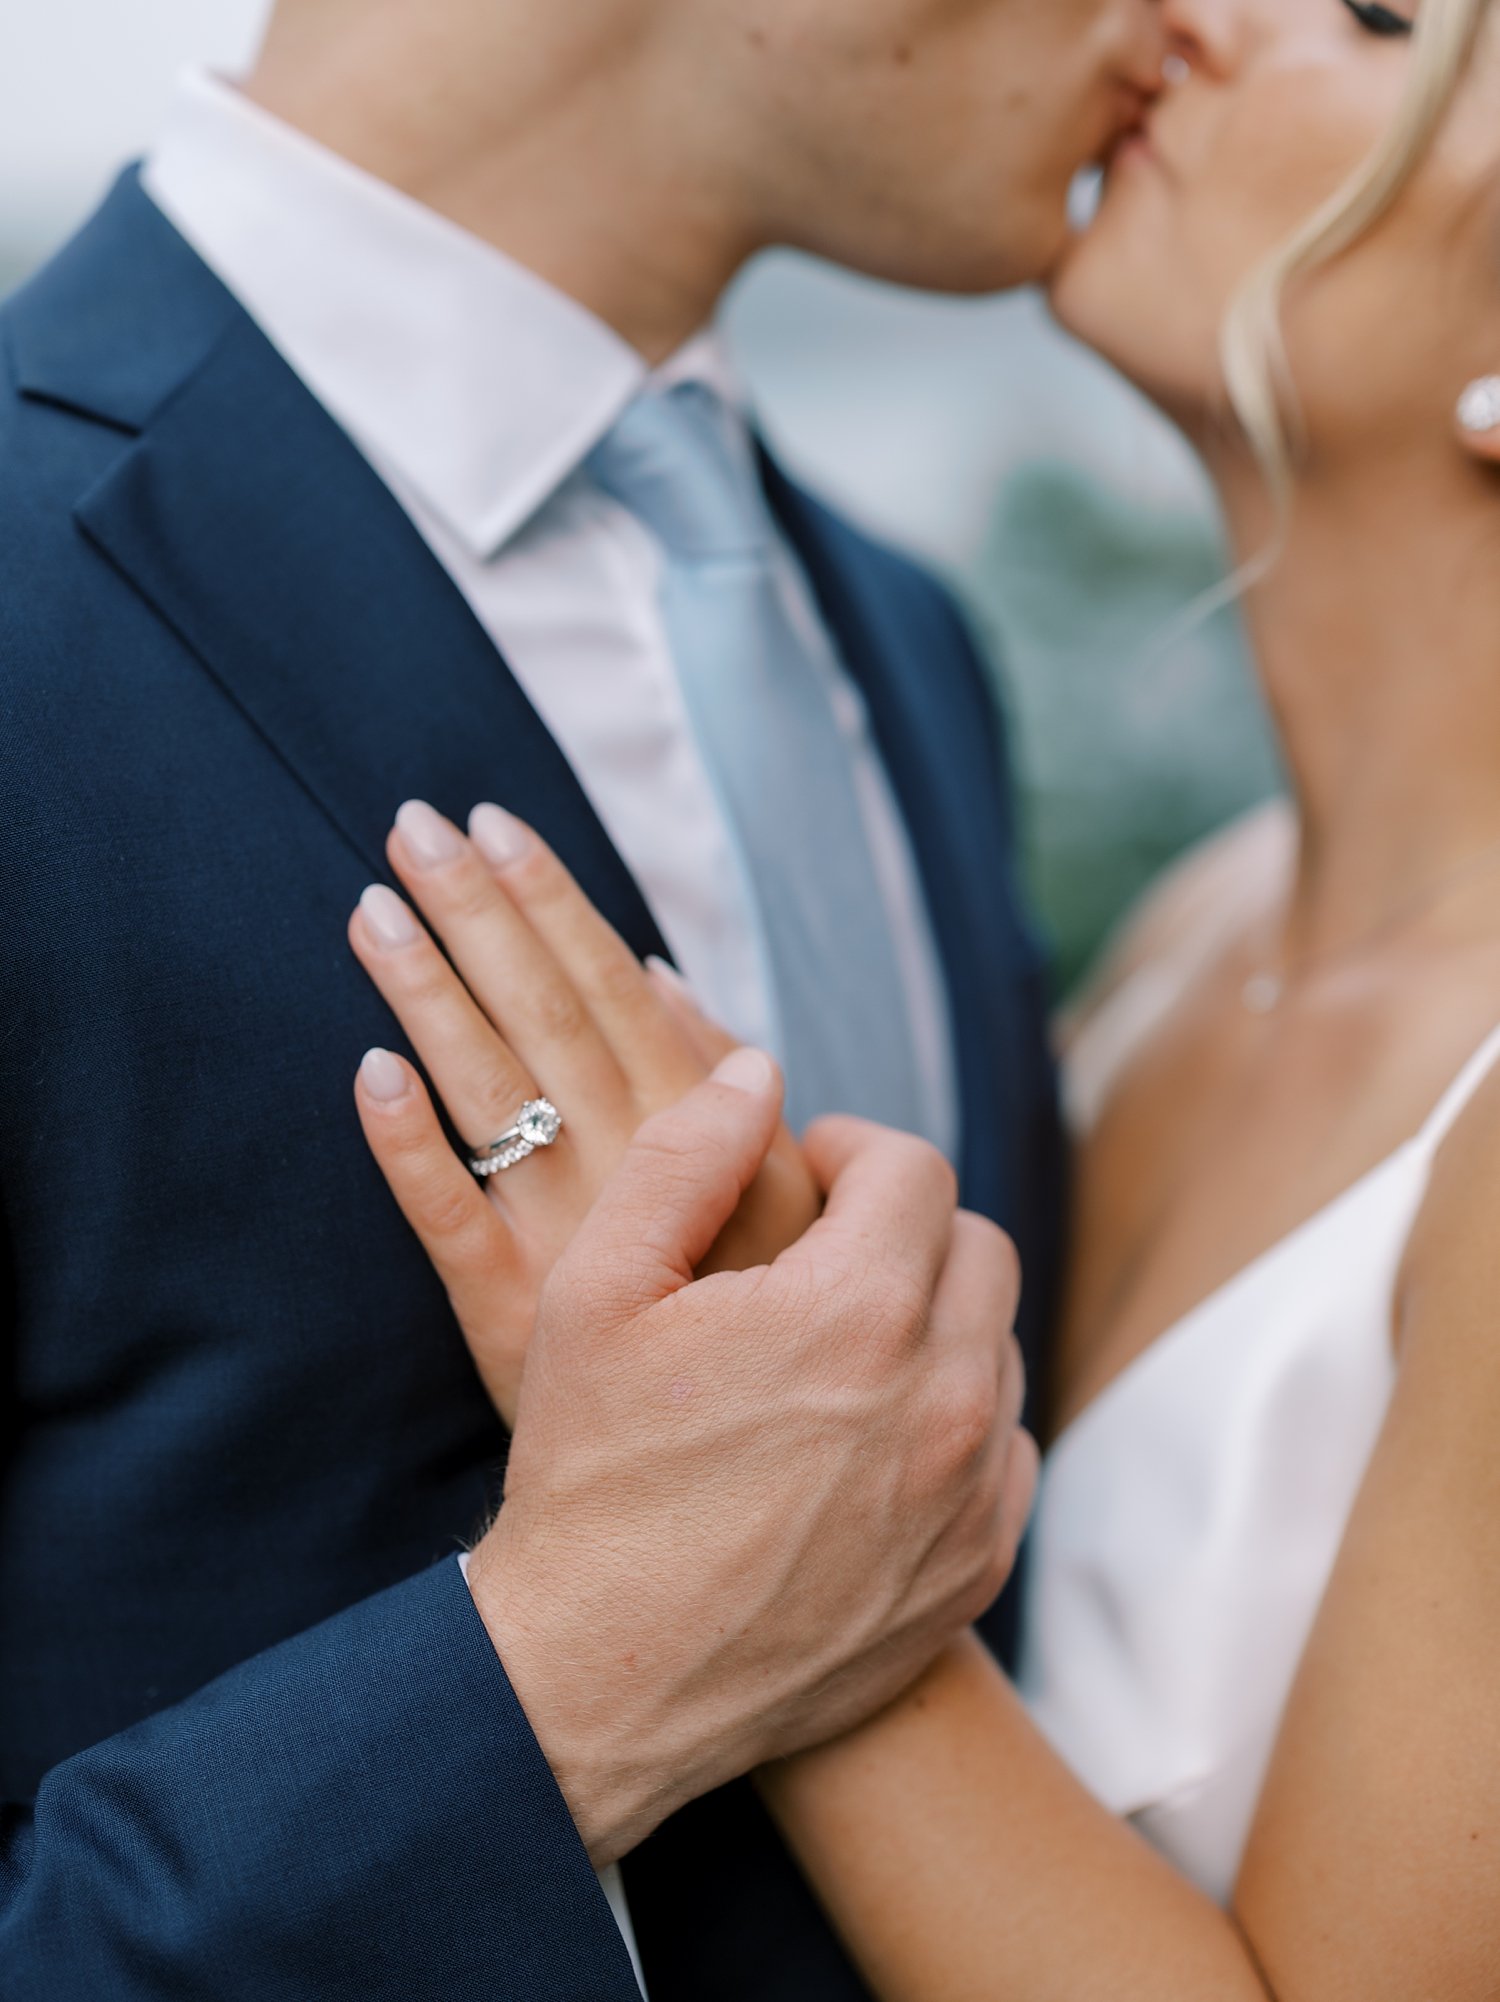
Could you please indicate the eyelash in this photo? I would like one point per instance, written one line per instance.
(1379, 20)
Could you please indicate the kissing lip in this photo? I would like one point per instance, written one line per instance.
(1130, 131)
(1136, 141)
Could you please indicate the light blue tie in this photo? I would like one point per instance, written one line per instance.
(761, 708)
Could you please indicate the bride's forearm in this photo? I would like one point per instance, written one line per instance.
(962, 1862)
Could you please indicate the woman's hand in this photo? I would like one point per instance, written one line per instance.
(547, 1002)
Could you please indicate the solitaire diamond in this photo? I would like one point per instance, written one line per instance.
(539, 1122)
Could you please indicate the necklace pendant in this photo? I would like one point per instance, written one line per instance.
(1261, 994)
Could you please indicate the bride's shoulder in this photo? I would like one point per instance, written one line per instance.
(1192, 909)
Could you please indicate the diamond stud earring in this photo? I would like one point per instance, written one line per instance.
(1479, 406)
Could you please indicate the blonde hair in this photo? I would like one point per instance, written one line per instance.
(1257, 378)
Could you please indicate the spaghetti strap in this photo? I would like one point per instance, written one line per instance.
(1455, 1099)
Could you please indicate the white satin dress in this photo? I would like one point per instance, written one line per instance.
(1188, 1520)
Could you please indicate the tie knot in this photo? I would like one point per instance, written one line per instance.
(672, 459)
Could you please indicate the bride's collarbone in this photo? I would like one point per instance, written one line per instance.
(1226, 1135)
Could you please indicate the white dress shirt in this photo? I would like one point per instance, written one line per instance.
(476, 391)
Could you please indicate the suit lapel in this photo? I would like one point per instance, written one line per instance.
(258, 532)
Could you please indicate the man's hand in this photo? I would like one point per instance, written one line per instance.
(743, 1512)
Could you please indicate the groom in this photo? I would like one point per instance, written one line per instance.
(340, 461)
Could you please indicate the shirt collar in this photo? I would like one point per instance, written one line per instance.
(463, 376)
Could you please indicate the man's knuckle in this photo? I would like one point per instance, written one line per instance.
(994, 1576)
(1020, 1488)
(962, 1412)
(987, 1239)
(918, 1166)
(1013, 1373)
(992, 1265)
(936, 1170)
(1008, 1259)
(899, 1308)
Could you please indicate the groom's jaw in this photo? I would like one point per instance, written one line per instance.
(635, 153)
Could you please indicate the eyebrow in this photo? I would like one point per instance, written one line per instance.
(1380, 20)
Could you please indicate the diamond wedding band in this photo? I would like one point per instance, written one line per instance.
(537, 1124)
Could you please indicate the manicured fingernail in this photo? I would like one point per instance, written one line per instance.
(429, 838)
(498, 835)
(746, 1069)
(388, 918)
(383, 1076)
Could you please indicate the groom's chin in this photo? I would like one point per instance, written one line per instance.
(975, 246)
(1021, 258)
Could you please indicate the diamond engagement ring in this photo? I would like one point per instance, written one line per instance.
(537, 1124)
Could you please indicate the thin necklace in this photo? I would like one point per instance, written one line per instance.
(1264, 991)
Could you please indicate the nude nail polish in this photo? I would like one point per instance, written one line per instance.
(430, 840)
(383, 1077)
(500, 838)
(391, 923)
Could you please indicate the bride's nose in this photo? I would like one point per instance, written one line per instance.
(1204, 33)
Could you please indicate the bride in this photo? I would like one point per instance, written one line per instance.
(1254, 1748)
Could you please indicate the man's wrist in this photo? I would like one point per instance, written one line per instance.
(615, 1792)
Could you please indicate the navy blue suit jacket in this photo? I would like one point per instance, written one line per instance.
(253, 1739)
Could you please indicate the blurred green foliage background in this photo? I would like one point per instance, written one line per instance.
(1137, 726)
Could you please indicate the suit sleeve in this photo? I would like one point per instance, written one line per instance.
(362, 1811)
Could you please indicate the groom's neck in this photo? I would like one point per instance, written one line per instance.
(580, 139)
